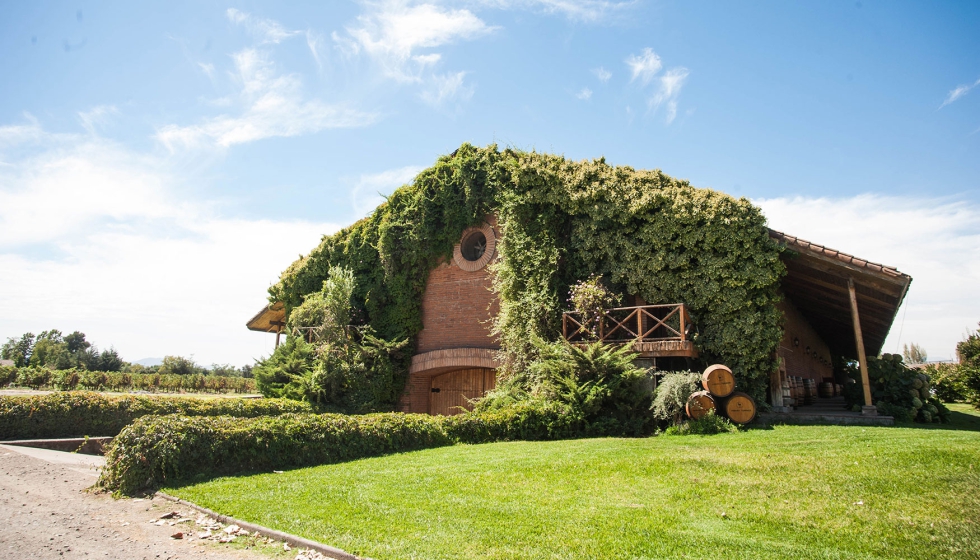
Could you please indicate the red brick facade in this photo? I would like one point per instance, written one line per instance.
(457, 308)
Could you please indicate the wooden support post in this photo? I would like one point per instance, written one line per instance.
(683, 329)
(278, 332)
(868, 409)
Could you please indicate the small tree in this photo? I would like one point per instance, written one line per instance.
(672, 394)
(914, 354)
(178, 365)
(591, 298)
(968, 354)
(18, 350)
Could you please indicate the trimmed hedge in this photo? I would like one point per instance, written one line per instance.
(75, 414)
(160, 449)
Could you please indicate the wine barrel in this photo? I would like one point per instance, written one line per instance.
(718, 380)
(699, 404)
(810, 391)
(826, 390)
(740, 408)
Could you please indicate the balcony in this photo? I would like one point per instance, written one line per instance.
(654, 331)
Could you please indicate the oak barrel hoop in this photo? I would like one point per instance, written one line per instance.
(699, 404)
(740, 408)
(718, 380)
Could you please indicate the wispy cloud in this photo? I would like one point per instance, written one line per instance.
(585, 94)
(371, 189)
(958, 92)
(602, 74)
(265, 30)
(393, 34)
(402, 40)
(272, 104)
(314, 42)
(444, 87)
(670, 87)
(577, 10)
(83, 208)
(644, 66)
(941, 253)
(96, 117)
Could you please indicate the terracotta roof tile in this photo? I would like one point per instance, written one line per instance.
(793, 241)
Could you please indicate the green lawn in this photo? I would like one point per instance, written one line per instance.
(792, 492)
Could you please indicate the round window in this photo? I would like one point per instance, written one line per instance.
(473, 246)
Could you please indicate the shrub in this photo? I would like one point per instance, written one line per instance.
(157, 450)
(77, 414)
(896, 390)
(595, 384)
(8, 374)
(672, 394)
(33, 377)
(707, 425)
(66, 379)
(947, 381)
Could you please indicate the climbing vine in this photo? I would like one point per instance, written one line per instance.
(561, 221)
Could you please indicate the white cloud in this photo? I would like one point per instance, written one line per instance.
(670, 87)
(265, 30)
(602, 74)
(644, 65)
(443, 87)
(959, 92)
(398, 37)
(370, 190)
(208, 69)
(576, 10)
(313, 41)
(584, 95)
(96, 117)
(272, 105)
(95, 237)
(937, 242)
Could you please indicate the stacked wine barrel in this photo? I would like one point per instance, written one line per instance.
(719, 395)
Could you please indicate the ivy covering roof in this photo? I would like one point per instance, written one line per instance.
(646, 232)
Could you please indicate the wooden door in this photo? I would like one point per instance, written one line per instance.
(451, 391)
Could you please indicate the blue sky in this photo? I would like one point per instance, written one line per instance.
(160, 164)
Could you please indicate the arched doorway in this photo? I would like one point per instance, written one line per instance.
(451, 391)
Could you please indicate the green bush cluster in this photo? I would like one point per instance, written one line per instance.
(896, 390)
(76, 414)
(707, 425)
(672, 394)
(596, 387)
(158, 450)
(163, 449)
(70, 379)
(561, 222)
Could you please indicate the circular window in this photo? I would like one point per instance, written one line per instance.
(473, 246)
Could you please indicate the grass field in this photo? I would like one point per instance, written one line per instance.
(793, 491)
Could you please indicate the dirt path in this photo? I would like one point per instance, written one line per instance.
(46, 513)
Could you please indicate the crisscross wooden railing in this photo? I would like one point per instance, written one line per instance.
(644, 323)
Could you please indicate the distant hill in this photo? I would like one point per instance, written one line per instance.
(149, 362)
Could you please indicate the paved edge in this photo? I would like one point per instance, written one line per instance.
(298, 542)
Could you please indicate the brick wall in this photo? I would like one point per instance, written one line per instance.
(798, 362)
(456, 311)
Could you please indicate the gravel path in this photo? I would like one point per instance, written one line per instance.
(45, 512)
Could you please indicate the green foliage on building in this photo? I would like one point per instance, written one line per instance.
(561, 222)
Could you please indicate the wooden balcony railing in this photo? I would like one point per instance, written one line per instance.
(644, 323)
